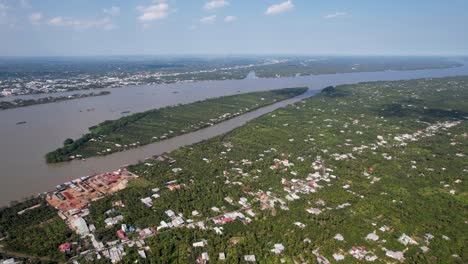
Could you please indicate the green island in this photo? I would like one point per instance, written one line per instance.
(373, 172)
(159, 124)
(50, 99)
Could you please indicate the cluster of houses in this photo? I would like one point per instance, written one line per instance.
(267, 200)
(72, 199)
(113, 250)
(204, 257)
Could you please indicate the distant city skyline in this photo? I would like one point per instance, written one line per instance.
(232, 27)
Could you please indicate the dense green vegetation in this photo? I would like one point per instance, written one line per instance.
(387, 154)
(51, 99)
(34, 233)
(408, 192)
(312, 66)
(154, 125)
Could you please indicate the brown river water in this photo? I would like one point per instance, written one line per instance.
(23, 171)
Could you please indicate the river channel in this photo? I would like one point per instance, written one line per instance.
(23, 170)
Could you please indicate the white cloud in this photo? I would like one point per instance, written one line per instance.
(208, 19)
(214, 4)
(229, 19)
(59, 21)
(113, 11)
(159, 10)
(103, 23)
(280, 8)
(35, 18)
(335, 15)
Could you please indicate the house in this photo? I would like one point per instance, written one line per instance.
(65, 247)
(250, 212)
(339, 237)
(405, 240)
(299, 224)
(204, 258)
(142, 253)
(250, 258)
(81, 226)
(398, 255)
(114, 220)
(170, 213)
(314, 211)
(9, 261)
(121, 235)
(338, 257)
(145, 232)
(218, 230)
(229, 200)
(277, 249)
(222, 256)
(358, 252)
(174, 187)
(372, 237)
(115, 254)
(147, 201)
(200, 243)
(177, 221)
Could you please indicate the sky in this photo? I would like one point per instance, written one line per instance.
(233, 27)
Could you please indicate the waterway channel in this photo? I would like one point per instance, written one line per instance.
(23, 170)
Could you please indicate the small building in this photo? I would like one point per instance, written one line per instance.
(398, 255)
(277, 249)
(372, 237)
(142, 253)
(338, 257)
(250, 258)
(222, 256)
(200, 243)
(81, 226)
(65, 247)
(339, 237)
(405, 240)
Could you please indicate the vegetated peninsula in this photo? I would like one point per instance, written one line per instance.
(159, 124)
(50, 99)
(366, 172)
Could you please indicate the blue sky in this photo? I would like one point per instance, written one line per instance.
(171, 27)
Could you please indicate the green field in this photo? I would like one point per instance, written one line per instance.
(155, 125)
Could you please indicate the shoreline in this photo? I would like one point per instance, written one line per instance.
(45, 177)
(7, 105)
(253, 114)
(4, 98)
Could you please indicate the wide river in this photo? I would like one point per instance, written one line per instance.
(22, 147)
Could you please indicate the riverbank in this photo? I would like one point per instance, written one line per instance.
(27, 77)
(4, 105)
(155, 125)
(26, 173)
